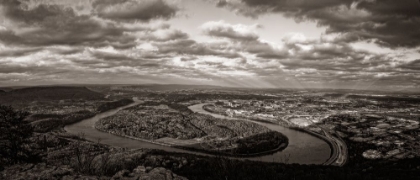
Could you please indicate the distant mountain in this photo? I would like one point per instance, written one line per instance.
(407, 99)
(1, 91)
(49, 93)
(154, 87)
(163, 87)
(334, 95)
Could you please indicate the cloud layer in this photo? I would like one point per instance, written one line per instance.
(224, 30)
(132, 41)
(129, 10)
(386, 22)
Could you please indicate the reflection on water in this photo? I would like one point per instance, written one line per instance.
(303, 148)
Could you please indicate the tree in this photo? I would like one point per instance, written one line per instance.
(219, 103)
(14, 135)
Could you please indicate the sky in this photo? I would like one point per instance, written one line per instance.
(343, 44)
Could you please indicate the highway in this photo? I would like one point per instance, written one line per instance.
(339, 150)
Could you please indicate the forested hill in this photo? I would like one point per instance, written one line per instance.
(51, 93)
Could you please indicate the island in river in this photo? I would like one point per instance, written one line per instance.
(176, 126)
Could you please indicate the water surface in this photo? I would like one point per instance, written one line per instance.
(303, 148)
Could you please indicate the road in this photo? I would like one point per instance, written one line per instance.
(339, 150)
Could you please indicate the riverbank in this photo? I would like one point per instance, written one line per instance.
(222, 152)
(161, 125)
(135, 138)
(338, 155)
(301, 149)
(331, 143)
(335, 147)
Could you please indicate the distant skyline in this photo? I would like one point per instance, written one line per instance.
(341, 44)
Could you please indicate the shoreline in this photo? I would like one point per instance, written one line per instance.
(252, 157)
(279, 148)
(333, 145)
(135, 138)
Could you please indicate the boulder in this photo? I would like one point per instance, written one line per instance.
(142, 173)
(161, 174)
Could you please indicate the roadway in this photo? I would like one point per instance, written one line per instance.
(339, 150)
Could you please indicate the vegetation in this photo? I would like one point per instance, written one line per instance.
(176, 106)
(174, 124)
(252, 146)
(215, 109)
(261, 142)
(27, 95)
(334, 95)
(52, 108)
(223, 168)
(51, 153)
(178, 97)
(112, 105)
(387, 98)
(56, 121)
(14, 136)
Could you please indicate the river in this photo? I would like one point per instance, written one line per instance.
(303, 148)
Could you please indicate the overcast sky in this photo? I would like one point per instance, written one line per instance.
(363, 44)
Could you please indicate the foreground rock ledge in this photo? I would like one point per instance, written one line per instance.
(43, 171)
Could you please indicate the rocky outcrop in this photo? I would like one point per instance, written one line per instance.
(147, 173)
(38, 171)
(43, 171)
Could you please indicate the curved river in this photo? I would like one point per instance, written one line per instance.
(303, 148)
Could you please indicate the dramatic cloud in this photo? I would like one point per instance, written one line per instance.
(15, 52)
(55, 24)
(331, 59)
(191, 47)
(128, 10)
(413, 65)
(46, 25)
(163, 35)
(225, 30)
(151, 41)
(388, 23)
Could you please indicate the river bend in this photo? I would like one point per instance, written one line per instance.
(303, 148)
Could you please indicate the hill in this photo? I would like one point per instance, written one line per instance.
(51, 93)
(406, 99)
(167, 87)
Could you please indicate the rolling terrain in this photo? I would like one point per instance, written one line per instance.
(55, 93)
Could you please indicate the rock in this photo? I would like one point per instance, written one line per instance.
(148, 168)
(79, 177)
(121, 174)
(184, 162)
(139, 170)
(161, 174)
(42, 171)
(62, 172)
(142, 173)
